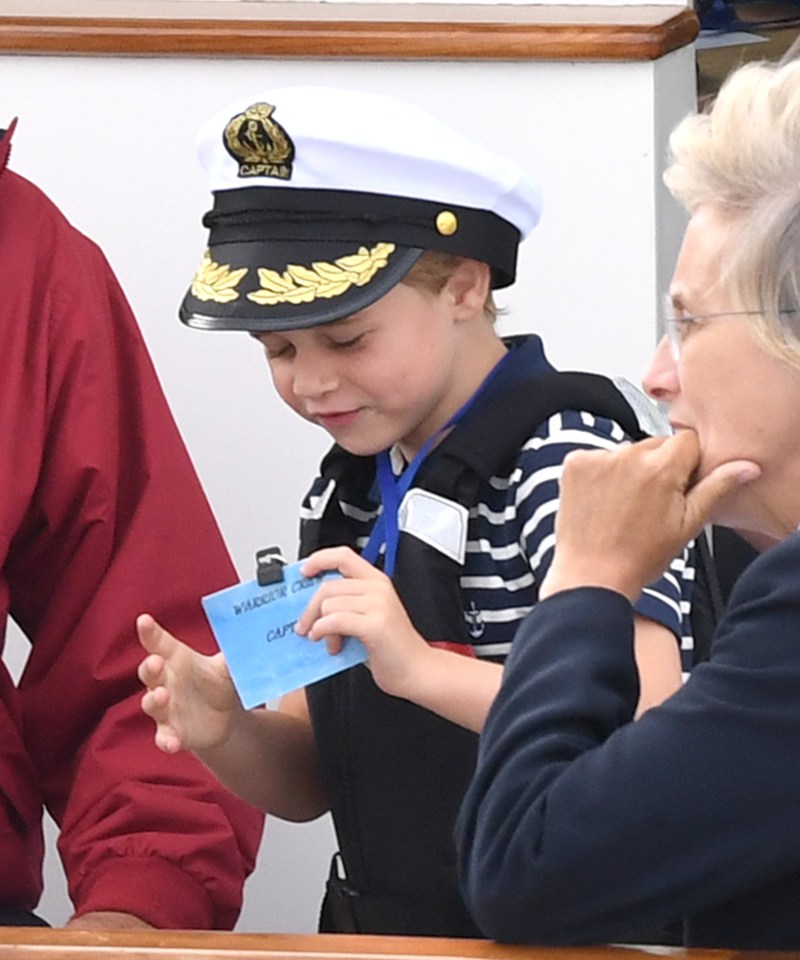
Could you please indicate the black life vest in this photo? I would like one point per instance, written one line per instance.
(396, 773)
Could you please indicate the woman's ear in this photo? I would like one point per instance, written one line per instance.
(469, 286)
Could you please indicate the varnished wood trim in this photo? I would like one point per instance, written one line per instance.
(489, 39)
(37, 943)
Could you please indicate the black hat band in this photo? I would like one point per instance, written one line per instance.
(272, 214)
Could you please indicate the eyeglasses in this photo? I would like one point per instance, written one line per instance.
(677, 327)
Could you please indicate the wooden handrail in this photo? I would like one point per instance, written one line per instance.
(365, 31)
(36, 943)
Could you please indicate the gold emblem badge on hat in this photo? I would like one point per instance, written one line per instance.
(259, 144)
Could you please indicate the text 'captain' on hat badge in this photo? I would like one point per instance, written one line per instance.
(259, 144)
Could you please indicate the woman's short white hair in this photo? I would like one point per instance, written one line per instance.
(743, 154)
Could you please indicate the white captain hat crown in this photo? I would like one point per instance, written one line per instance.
(324, 199)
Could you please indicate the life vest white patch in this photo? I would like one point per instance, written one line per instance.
(440, 523)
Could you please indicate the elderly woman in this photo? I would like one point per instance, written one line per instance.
(581, 825)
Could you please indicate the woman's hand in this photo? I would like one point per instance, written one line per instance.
(625, 513)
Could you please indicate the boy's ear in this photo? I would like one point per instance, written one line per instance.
(469, 285)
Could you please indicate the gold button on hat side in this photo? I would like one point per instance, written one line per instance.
(446, 223)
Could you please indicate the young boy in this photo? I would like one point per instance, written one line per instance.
(360, 246)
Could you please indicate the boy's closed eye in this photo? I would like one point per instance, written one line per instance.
(276, 347)
(343, 334)
(346, 343)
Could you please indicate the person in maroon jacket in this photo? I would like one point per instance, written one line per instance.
(101, 515)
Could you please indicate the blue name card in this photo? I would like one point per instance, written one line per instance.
(254, 627)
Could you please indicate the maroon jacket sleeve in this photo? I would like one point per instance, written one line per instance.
(101, 518)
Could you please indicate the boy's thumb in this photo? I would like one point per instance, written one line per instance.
(152, 636)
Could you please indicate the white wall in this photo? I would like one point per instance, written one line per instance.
(112, 141)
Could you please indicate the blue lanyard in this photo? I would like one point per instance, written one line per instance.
(393, 489)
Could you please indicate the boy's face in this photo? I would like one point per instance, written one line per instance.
(388, 374)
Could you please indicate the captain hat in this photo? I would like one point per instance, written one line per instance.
(325, 198)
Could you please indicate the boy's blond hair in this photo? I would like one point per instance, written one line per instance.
(432, 271)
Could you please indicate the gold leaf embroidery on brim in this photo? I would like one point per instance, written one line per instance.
(300, 284)
(215, 281)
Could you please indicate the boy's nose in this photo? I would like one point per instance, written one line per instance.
(312, 378)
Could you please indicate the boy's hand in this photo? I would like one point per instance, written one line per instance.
(190, 696)
(364, 604)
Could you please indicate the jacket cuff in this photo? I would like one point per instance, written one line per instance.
(153, 889)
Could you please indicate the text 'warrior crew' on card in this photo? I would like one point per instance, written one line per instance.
(254, 627)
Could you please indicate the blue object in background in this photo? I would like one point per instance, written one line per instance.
(716, 15)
